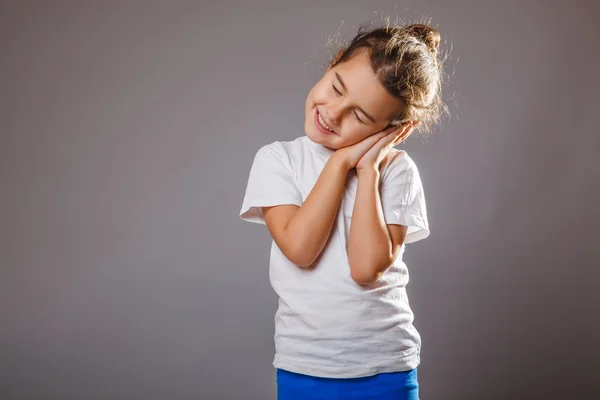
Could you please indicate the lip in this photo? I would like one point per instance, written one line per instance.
(318, 125)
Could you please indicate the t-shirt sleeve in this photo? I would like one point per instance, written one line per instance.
(271, 182)
(403, 199)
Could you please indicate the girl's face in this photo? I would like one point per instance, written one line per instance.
(348, 104)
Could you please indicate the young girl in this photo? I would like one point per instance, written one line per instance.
(341, 203)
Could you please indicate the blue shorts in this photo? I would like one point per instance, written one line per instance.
(385, 386)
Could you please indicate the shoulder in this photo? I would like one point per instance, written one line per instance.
(280, 147)
(400, 165)
(278, 153)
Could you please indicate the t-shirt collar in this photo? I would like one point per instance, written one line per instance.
(319, 148)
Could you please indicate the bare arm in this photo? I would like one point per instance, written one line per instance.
(301, 232)
(372, 245)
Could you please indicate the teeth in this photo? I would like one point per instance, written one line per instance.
(322, 122)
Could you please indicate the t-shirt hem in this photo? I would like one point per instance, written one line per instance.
(253, 212)
(420, 229)
(354, 371)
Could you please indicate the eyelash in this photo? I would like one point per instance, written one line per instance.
(340, 93)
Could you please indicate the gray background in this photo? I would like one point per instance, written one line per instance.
(127, 133)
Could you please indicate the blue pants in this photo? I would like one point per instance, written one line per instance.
(385, 386)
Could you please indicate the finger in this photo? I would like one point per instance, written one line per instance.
(400, 134)
(391, 130)
(385, 142)
(386, 131)
(368, 143)
(394, 135)
(399, 130)
(399, 137)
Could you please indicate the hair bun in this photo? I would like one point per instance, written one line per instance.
(428, 35)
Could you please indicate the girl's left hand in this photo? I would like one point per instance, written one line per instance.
(372, 159)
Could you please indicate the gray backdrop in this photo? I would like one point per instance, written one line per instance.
(127, 134)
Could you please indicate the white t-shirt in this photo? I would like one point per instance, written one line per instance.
(326, 324)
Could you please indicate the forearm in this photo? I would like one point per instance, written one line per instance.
(370, 250)
(311, 225)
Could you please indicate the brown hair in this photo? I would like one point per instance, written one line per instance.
(405, 59)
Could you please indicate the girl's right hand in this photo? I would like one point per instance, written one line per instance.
(350, 155)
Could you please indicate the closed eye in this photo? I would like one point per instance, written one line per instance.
(355, 113)
(361, 121)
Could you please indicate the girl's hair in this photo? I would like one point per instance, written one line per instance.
(405, 59)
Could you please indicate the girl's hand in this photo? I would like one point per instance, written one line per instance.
(351, 155)
(379, 151)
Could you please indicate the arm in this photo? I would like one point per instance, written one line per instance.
(301, 232)
(372, 246)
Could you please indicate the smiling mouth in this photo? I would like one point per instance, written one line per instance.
(323, 123)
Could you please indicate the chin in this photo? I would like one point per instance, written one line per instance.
(314, 136)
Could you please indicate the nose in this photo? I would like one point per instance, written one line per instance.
(333, 113)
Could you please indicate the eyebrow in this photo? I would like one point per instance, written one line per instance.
(346, 89)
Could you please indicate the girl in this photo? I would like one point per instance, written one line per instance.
(341, 203)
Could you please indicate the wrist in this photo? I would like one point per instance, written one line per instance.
(368, 172)
(340, 162)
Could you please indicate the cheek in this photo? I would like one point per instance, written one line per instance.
(354, 133)
(318, 94)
